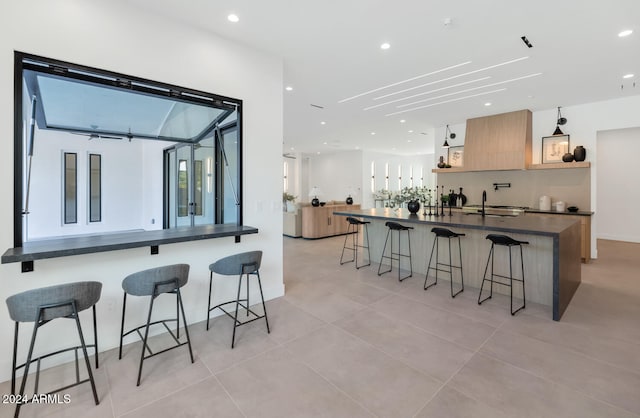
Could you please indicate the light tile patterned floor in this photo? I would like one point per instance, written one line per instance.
(346, 342)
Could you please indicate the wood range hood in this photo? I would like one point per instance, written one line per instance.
(498, 142)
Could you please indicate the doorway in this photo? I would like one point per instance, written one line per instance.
(189, 185)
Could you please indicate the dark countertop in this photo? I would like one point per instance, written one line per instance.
(62, 247)
(514, 224)
(553, 212)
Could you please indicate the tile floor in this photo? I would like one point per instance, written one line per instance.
(346, 342)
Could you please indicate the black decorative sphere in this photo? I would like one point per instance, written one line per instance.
(413, 206)
(568, 157)
(349, 200)
(315, 202)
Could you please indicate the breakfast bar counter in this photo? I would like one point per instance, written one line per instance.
(551, 260)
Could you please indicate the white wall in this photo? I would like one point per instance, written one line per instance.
(618, 198)
(336, 174)
(116, 37)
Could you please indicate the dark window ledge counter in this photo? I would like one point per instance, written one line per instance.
(552, 259)
(62, 247)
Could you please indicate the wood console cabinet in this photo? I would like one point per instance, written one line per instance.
(320, 222)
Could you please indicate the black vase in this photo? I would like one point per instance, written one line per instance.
(315, 202)
(568, 157)
(579, 153)
(349, 200)
(413, 206)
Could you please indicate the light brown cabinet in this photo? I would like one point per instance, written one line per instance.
(320, 222)
(498, 142)
(585, 229)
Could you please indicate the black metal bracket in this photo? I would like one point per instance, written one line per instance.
(237, 239)
(155, 249)
(27, 266)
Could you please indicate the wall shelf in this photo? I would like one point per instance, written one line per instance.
(552, 166)
(549, 166)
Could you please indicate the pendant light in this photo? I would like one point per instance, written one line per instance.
(560, 121)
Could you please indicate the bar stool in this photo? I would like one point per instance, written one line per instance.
(154, 282)
(43, 305)
(509, 242)
(394, 226)
(243, 264)
(448, 234)
(353, 229)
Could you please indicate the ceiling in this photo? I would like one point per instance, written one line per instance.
(331, 52)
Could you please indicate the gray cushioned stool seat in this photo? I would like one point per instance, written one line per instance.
(243, 265)
(43, 305)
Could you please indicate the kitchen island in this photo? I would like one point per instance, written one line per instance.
(551, 260)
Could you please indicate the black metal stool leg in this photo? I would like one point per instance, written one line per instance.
(433, 248)
(410, 260)
(235, 317)
(209, 301)
(484, 277)
(15, 356)
(184, 320)
(86, 356)
(365, 234)
(453, 295)
(124, 308)
(144, 341)
(26, 366)
(344, 246)
(95, 335)
(384, 249)
(264, 307)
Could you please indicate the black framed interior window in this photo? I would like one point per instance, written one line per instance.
(70, 187)
(95, 188)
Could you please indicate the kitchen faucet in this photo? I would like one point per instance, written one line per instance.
(484, 199)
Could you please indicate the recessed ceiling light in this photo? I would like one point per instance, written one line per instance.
(488, 104)
(373, 133)
(625, 33)
(323, 123)
(385, 45)
(410, 131)
(402, 121)
(408, 140)
(324, 143)
(292, 148)
(233, 18)
(288, 88)
(318, 152)
(627, 76)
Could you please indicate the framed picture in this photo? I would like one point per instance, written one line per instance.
(554, 147)
(455, 156)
